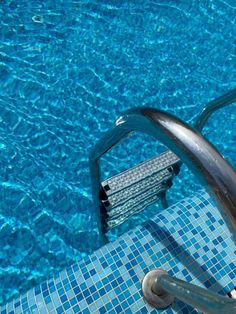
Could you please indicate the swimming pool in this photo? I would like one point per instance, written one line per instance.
(67, 71)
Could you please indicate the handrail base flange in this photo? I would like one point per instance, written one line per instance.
(161, 299)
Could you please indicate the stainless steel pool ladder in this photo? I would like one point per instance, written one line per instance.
(129, 192)
(207, 164)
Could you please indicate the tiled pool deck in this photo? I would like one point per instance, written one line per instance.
(189, 240)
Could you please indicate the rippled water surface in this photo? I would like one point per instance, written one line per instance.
(67, 70)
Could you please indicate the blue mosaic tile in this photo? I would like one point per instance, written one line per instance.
(186, 240)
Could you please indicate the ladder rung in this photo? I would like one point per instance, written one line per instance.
(133, 190)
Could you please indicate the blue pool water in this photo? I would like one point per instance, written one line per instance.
(68, 69)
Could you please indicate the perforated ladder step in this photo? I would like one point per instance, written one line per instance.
(133, 190)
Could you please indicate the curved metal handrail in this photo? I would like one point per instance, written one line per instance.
(225, 100)
(189, 145)
(160, 289)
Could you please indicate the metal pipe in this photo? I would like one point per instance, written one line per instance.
(204, 300)
(225, 100)
(213, 171)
